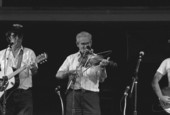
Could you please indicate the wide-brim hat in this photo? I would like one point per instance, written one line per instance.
(16, 29)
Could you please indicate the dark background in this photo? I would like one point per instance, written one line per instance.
(124, 39)
(86, 3)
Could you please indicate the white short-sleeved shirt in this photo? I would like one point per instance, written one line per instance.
(8, 61)
(88, 79)
(164, 66)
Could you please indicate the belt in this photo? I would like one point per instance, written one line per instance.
(23, 90)
(82, 90)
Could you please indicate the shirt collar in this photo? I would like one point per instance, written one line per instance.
(21, 49)
(78, 53)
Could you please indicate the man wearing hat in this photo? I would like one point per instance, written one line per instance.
(18, 93)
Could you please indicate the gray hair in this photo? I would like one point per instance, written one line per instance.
(83, 34)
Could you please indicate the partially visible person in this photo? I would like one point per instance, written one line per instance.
(18, 98)
(84, 73)
(162, 71)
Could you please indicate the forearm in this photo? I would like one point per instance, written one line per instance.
(62, 74)
(157, 89)
(34, 70)
(155, 85)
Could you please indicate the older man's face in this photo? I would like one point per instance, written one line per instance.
(83, 43)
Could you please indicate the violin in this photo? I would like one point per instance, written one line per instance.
(89, 59)
(95, 60)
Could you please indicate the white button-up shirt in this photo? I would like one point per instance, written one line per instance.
(87, 77)
(8, 61)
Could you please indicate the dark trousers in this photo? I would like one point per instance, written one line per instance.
(82, 102)
(20, 103)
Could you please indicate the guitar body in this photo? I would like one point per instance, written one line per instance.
(164, 105)
(9, 84)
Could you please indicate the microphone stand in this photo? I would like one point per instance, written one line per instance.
(125, 103)
(62, 104)
(72, 82)
(4, 103)
(134, 85)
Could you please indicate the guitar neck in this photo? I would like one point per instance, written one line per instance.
(16, 72)
(37, 60)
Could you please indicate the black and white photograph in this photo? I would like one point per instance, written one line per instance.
(84, 57)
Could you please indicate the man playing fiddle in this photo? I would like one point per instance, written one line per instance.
(83, 92)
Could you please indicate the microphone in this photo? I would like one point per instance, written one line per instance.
(89, 50)
(10, 44)
(141, 53)
(57, 88)
(88, 47)
(126, 90)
